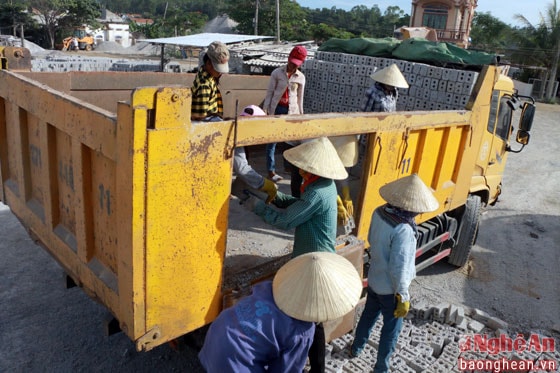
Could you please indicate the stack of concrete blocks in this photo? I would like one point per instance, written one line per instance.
(79, 63)
(430, 342)
(336, 82)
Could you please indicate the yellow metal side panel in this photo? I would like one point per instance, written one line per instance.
(36, 161)
(187, 200)
(65, 227)
(105, 223)
(131, 214)
(46, 132)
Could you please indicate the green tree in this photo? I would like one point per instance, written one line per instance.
(80, 13)
(293, 23)
(50, 12)
(12, 14)
(489, 33)
(323, 32)
(545, 41)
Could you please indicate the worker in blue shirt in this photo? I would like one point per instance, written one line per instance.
(272, 329)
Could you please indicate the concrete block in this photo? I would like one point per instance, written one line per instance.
(451, 315)
(460, 310)
(489, 321)
(475, 326)
(451, 86)
(405, 369)
(437, 344)
(338, 344)
(357, 365)
(449, 74)
(334, 366)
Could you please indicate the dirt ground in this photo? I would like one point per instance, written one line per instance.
(512, 274)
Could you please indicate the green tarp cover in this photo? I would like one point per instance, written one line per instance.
(413, 49)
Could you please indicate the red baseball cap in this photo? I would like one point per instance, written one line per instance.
(297, 55)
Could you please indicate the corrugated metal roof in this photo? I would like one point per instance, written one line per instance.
(204, 39)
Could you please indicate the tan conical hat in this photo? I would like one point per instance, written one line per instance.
(410, 194)
(318, 157)
(317, 287)
(347, 149)
(391, 76)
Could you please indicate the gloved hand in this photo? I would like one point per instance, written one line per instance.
(347, 200)
(250, 203)
(342, 214)
(402, 308)
(270, 188)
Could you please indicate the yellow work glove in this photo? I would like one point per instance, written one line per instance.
(347, 200)
(270, 188)
(342, 214)
(402, 307)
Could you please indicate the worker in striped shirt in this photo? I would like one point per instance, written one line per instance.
(207, 101)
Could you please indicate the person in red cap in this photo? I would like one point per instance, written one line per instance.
(284, 96)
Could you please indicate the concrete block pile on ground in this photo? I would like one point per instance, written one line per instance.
(336, 82)
(80, 63)
(430, 343)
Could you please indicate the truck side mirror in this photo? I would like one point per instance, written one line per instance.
(522, 137)
(527, 116)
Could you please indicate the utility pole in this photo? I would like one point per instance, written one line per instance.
(278, 21)
(256, 17)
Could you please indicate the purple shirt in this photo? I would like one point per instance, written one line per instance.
(256, 336)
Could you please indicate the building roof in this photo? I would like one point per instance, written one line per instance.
(204, 39)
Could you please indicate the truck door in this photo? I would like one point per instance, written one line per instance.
(492, 156)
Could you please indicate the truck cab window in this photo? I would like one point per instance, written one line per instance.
(499, 120)
(504, 120)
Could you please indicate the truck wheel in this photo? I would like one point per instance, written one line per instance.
(468, 230)
(88, 47)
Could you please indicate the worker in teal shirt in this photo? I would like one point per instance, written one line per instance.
(314, 213)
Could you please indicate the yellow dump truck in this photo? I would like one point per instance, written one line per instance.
(107, 172)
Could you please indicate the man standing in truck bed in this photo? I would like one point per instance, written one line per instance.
(207, 101)
(207, 105)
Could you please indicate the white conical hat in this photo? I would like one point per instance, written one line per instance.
(391, 76)
(347, 149)
(318, 157)
(410, 194)
(317, 287)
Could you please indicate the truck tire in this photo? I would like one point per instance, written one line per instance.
(468, 230)
(88, 47)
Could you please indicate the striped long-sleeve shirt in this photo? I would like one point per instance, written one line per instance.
(206, 97)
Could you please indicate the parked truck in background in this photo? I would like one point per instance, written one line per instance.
(107, 172)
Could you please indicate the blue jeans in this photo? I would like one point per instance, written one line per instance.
(378, 304)
(271, 148)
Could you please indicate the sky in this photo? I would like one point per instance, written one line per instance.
(504, 10)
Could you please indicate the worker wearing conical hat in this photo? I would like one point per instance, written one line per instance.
(272, 329)
(383, 95)
(313, 214)
(392, 239)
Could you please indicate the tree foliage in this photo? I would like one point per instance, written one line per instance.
(489, 33)
(543, 40)
(12, 15)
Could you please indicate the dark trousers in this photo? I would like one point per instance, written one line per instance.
(317, 350)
